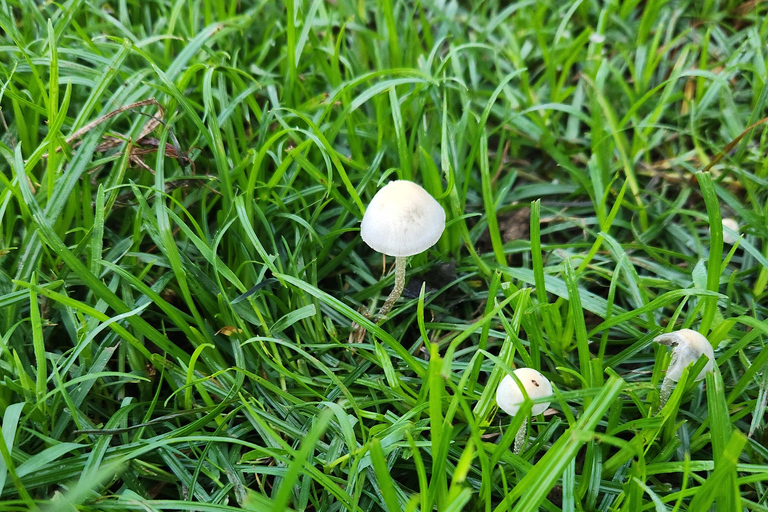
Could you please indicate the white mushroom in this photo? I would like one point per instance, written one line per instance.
(687, 347)
(402, 220)
(509, 396)
(730, 230)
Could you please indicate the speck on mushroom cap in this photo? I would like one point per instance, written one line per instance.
(402, 220)
(509, 397)
(687, 346)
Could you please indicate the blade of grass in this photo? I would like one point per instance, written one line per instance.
(715, 248)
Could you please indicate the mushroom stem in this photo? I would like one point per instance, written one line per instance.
(399, 285)
(666, 391)
(520, 437)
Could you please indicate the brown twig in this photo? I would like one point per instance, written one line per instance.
(732, 145)
(148, 128)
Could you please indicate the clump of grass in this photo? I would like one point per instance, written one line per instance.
(177, 285)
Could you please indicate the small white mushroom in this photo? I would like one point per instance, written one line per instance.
(402, 220)
(687, 347)
(509, 397)
(730, 230)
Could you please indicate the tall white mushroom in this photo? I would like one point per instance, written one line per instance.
(509, 397)
(687, 347)
(402, 220)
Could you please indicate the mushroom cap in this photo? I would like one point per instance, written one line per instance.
(509, 397)
(402, 220)
(687, 347)
(733, 225)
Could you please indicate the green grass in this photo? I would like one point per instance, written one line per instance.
(179, 278)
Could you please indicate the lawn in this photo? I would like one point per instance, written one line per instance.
(187, 308)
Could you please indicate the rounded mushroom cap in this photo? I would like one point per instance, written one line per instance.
(509, 397)
(402, 220)
(733, 225)
(687, 347)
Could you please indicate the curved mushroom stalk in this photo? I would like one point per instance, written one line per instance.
(520, 437)
(667, 385)
(397, 291)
